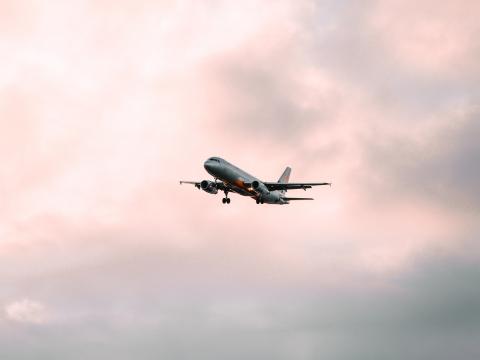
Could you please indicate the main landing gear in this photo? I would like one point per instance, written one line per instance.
(226, 199)
(259, 201)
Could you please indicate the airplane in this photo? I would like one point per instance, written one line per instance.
(229, 178)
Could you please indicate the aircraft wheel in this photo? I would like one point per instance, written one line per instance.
(257, 201)
(224, 201)
(261, 201)
(228, 201)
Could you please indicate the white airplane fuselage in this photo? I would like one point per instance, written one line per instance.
(238, 180)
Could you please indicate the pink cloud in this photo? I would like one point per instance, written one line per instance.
(103, 119)
(26, 311)
(436, 38)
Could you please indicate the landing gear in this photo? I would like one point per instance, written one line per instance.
(259, 201)
(226, 199)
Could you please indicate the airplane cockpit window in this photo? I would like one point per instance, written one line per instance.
(214, 159)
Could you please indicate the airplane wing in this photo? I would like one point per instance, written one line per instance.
(292, 186)
(197, 184)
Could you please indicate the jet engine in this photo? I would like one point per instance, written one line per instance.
(209, 187)
(260, 187)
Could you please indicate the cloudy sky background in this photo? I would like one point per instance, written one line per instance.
(105, 105)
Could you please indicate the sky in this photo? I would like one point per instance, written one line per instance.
(105, 105)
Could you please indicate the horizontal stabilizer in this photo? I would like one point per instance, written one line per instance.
(291, 198)
(292, 186)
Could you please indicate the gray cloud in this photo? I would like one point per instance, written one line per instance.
(441, 168)
(157, 307)
(264, 97)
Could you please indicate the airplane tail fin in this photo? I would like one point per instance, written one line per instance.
(285, 177)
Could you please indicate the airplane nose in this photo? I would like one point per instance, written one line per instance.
(208, 165)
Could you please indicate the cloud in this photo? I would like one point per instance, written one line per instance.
(106, 105)
(436, 166)
(26, 311)
(440, 44)
(149, 312)
(272, 91)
